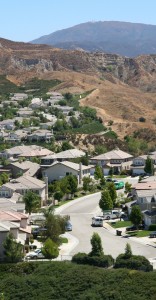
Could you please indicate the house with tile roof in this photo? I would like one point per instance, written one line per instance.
(116, 159)
(58, 170)
(22, 185)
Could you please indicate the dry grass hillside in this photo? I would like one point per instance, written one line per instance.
(123, 89)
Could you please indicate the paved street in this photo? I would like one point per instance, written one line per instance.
(81, 211)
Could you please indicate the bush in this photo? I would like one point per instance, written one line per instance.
(152, 227)
(142, 119)
(103, 261)
(135, 262)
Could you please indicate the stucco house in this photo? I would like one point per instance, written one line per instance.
(25, 151)
(23, 184)
(15, 223)
(138, 163)
(145, 196)
(27, 167)
(40, 135)
(116, 159)
(61, 156)
(59, 170)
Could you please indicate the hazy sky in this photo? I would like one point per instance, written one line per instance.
(25, 20)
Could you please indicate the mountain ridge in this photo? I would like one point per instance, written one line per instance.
(123, 38)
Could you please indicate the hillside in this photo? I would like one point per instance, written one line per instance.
(124, 38)
(123, 88)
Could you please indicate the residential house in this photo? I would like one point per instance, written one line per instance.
(138, 163)
(14, 203)
(24, 184)
(36, 103)
(15, 223)
(64, 109)
(25, 112)
(25, 151)
(7, 124)
(116, 159)
(19, 97)
(66, 155)
(59, 170)
(40, 135)
(29, 168)
(144, 193)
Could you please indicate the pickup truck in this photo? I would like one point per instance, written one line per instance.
(114, 214)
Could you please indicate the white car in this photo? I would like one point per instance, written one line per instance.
(34, 254)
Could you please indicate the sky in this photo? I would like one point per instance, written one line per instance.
(26, 20)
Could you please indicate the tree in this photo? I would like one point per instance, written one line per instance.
(32, 201)
(135, 215)
(86, 183)
(66, 146)
(127, 187)
(50, 249)
(96, 243)
(98, 174)
(54, 224)
(128, 251)
(58, 195)
(73, 183)
(149, 166)
(105, 202)
(111, 171)
(112, 192)
(13, 251)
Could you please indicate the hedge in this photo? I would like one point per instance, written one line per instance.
(152, 227)
(135, 262)
(104, 261)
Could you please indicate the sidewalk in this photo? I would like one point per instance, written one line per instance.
(142, 240)
(66, 248)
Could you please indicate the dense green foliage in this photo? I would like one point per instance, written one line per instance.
(135, 262)
(135, 215)
(104, 261)
(50, 249)
(106, 202)
(149, 166)
(32, 201)
(13, 251)
(63, 280)
(96, 243)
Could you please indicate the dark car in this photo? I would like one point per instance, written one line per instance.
(38, 232)
(133, 227)
(152, 234)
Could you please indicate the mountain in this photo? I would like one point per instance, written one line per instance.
(123, 38)
(123, 89)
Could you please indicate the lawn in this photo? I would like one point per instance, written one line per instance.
(139, 233)
(120, 224)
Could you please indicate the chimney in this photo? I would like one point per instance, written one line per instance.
(46, 189)
(80, 173)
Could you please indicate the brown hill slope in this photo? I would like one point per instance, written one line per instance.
(124, 88)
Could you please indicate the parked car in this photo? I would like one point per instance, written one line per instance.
(111, 180)
(97, 221)
(68, 226)
(36, 254)
(133, 227)
(38, 231)
(152, 234)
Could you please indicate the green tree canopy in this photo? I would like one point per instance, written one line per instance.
(112, 192)
(50, 249)
(149, 166)
(13, 251)
(96, 243)
(105, 202)
(98, 174)
(128, 251)
(135, 215)
(32, 201)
